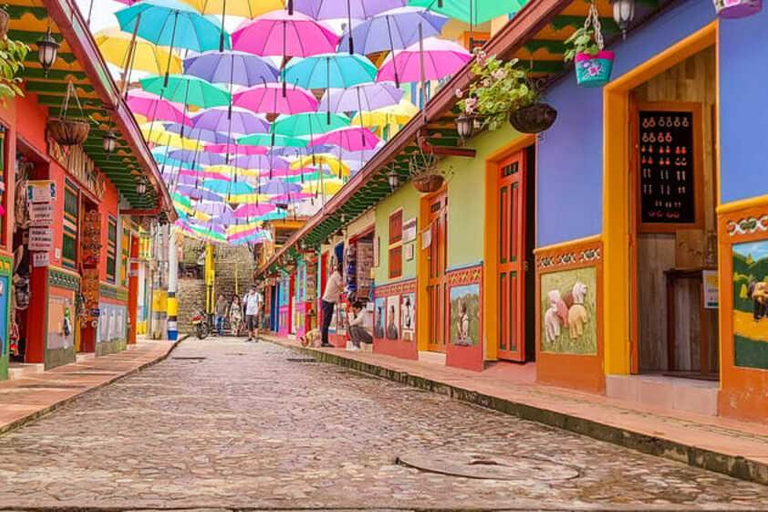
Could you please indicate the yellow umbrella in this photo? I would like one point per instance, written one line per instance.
(158, 135)
(328, 187)
(231, 170)
(329, 161)
(115, 45)
(239, 228)
(244, 8)
(248, 198)
(395, 114)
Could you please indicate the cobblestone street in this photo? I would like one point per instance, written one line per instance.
(225, 424)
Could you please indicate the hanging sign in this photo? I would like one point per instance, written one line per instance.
(41, 259)
(40, 239)
(78, 165)
(41, 191)
(41, 214)
(710, 289)
(409, 231)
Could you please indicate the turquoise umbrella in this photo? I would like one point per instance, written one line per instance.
(310, 123)
(265, 139)
(228, 187)
(473, 12)
(187, 89)
(330, 70)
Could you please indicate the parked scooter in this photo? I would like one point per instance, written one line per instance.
(200, 322)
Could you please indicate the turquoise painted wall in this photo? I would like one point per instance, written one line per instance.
(408, 199)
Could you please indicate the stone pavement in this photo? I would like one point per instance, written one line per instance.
(732, 447)
(229, 425)
(30, 397)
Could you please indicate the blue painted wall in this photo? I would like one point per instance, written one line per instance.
(570, 158)
(744, 107)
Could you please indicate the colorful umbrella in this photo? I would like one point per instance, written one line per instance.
(198, 193)
(353, 138)
(473, 12)
(227, 187)
(260, 162)
(230, 68)
(254, 210)
(198, 157)
(230, 120)
(330, 70)
(155, 108)
(440, 59)
(265, 139)
(327, 187)
(203, 174)
(360, 97)
(213, 208)
(115, 46)
(279, 186)
(189, 90)
(310, 123)
(198, 134)
(290, 198)
(274, 99)
(334, 164)
(242, 8)
(395, 114)
(393, 30)
(279, 33)
(235, 149)
(158, 135)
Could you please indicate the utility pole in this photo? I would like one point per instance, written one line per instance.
(173, 281)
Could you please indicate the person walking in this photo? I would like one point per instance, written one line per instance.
(331, 297)
(236, 315)
(254, 303)
(221, 313)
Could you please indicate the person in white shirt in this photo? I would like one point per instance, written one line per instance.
(333, 289)
(357, 332)
(254, 304)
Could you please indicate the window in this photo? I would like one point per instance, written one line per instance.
(396, 244)
(71, 221)
(112, 250)
(125, 252)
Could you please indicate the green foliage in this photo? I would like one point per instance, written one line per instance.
(581, 41)
(12, 55)
(498, 89)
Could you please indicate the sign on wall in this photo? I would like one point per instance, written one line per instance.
(40, 239)
(41, 214)
(41, 191)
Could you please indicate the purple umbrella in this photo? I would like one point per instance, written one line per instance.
(200, 157)
(226, 217)
(261, 162)
(359, 98)
(213, 208)
(237, 121)
(231, 67)
(277, 186)
(393, 30)
(198, 193)
(292, 197)
(198, 134)
(171, 177)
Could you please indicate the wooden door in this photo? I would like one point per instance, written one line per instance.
(512, 264)
(437, 257)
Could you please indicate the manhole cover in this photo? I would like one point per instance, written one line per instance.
(487, 466)
(301, 360)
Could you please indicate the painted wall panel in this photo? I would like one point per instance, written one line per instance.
(743, 107)
(406, 198)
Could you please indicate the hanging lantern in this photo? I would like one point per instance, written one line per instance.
(394, 179)
(465, 125)
(110, 142)
(623, 14)
(48, 50)
(141, 188)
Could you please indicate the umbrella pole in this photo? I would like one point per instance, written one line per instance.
(328, 83)
(285, 37)
(223, 17)
(170, 52)
(360, 115)
(349, 20)
(186, 105)
(422, 73)
(129, 57)
(392, 47)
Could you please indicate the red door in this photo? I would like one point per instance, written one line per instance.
(437, 258)
(511, 273)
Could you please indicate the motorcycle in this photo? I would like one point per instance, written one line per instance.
(200, 322)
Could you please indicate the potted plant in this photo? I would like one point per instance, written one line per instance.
(12, 55)
(65, 129)
(426, 175)
(737, 8)
(585, 48)
(500, 92)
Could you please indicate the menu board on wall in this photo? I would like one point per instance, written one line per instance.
(666, 162)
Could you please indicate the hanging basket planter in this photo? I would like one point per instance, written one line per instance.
(586, 48)
(5, 21)
(594, 70)
(737, 8)
(426, 176)
(428, 183)
(533, 119)
(67, 130)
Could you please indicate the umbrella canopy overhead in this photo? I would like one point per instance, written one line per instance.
(115, 46)
(393, 30)
(474, 12)
(198, 134)
(235, 149)
(441, 58)
(264, 139)
(397, 114)
(242, 8)
(341, 9)
(330, 70)
(230, 68)
(281, 34)
(308, 124)
(187, 90)
(360, 97)
(232, 120)
(153, 107)
(352, 138)
(275, 99)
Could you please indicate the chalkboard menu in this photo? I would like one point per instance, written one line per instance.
(667, 171)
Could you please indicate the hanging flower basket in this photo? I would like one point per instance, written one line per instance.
(737, 8)
(426, 176)
(533, 119)
(594, 70)
(67, 130)
(5, 20)
(428, 183)
(587, 49)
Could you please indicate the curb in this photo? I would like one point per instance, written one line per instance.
(53, 407)
(731, 465)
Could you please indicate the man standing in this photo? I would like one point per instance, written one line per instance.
(221, 311)
(331, 297)
(254, 303)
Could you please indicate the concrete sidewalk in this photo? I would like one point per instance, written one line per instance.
(738, 449)
(28, 398)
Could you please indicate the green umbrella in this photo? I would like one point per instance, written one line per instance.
(210, 233)
(266, 139)
(182, 200)
(310, 123)
(473, 12)
(310, 176)
(188, 90)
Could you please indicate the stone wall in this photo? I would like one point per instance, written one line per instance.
(233, 265)
(191, 301)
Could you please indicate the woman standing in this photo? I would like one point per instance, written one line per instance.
(236, 315)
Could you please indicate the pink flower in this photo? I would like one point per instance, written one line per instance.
(499, 73)
(459, 93)
(471, 102)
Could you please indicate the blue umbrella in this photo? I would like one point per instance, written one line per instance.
(199, 134)
(228, 187)
(188, 90)
(231, 67)
(265, 139)
(330, 70)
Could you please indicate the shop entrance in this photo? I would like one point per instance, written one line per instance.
(673, 247)
(437, 258)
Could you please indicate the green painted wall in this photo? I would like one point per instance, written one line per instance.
(466, 197)
(406, 198)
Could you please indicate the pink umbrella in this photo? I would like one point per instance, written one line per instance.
(153, 107)
(278, 33)
(274, 99)
(280, 173)
(293, 197)
(441, 58)
(254, 210)
(235, 149)
(203, 174)
(351, 138)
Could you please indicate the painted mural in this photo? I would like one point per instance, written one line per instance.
(750, 304)
(112, 323)
(408, 316)
(379, 314)
(61, 310)
(465, 315)
(568, 309)
(393, 317)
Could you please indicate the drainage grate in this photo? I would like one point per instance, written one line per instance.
(301, 360)
(485, 466)
(52, 386)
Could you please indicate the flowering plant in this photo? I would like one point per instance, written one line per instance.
(581, 41)
(499, 89)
